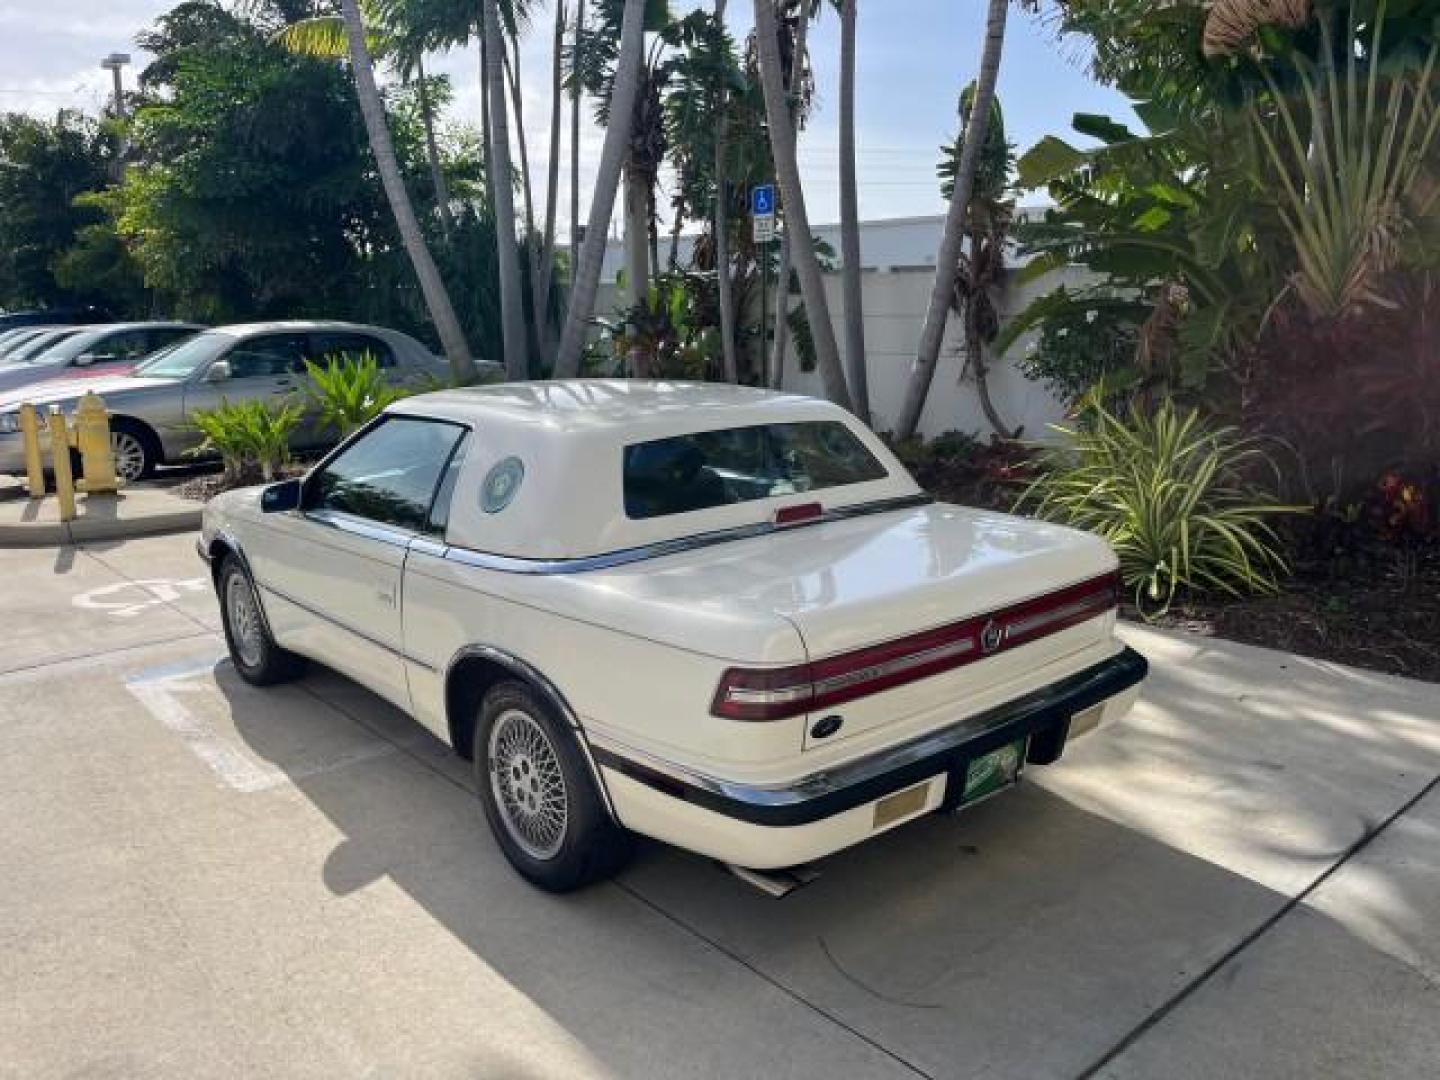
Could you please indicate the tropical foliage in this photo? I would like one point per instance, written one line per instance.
(249, 436)
(1174, 497)
(349, 393)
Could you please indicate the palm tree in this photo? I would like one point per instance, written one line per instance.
(855, 368)
(787, 170)
(721, 226)
(501, 183)
(799, 60)
(575, 89)
(948, 260)
(981, 276)
(437, 299)
(602, 201)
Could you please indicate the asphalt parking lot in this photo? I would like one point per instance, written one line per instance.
(198, 878)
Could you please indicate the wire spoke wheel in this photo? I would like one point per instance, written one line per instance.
(528, 784)
(243, 615)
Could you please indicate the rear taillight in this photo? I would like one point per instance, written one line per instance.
(777, 693)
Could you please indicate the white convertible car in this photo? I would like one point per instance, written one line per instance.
(724, 618)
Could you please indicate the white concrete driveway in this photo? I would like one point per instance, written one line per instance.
(201, 879)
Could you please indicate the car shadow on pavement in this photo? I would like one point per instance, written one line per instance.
(1028, 936)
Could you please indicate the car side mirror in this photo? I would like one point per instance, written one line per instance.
(277, 498)
(218, 372)
(85, 359)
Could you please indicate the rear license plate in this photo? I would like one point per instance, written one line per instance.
(993, 772)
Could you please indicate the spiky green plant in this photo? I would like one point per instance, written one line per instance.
(248, 434)
(1171, 496)
(1342, 190)
(350, 392)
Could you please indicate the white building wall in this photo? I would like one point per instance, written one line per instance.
(894, 315)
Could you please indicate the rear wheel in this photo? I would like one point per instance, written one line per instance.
(253, 651)
(538, 794)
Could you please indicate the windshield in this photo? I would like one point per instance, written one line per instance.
(68, 348)
(183, 360)
(38, 345)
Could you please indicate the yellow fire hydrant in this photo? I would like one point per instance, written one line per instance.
(92, 439)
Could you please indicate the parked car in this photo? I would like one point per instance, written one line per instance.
(112, 349)
(152, 409)
(23, 349)
(721, 617)
(10, 338)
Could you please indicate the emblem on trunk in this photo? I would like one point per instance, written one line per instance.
(991, 636)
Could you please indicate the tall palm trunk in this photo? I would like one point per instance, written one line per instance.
(780, 337)
(485, 106)
(532, 241)
(541, 296)
(432, 152)
(575, 144)
(437, 300)
(721, 228)
(948, 261)
(787, 169)
(855, 369)
(637, 235)
(512, 304)
(602, 200)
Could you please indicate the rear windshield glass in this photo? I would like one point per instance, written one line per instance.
(714, 468)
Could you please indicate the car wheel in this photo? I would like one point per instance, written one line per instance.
(539, 797)
(135, 450)
(252, 650)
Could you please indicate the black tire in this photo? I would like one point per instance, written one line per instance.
(254, 653)
(126, 433)
(590, 847)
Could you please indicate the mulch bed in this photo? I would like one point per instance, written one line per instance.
(1374, 620)
(203, 488)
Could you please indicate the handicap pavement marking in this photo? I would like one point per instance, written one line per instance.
(166, 691)
(126, 599)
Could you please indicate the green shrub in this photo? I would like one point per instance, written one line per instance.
(249, 436)
(350, 393)
(1171, 496)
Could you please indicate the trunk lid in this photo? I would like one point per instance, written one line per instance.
(917, 587)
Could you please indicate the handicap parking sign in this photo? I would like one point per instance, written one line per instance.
(762, 200)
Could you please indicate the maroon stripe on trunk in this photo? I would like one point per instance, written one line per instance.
(775, 693)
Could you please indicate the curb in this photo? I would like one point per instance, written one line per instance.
(86, 530)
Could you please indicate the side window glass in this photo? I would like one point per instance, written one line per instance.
(389, 475)
(273, 354)
(440, 511)
(126, 346)
(330, 349)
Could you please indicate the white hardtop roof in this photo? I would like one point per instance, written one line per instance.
(569, 436)
(631, 406)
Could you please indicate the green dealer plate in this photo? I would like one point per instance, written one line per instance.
(993, 772)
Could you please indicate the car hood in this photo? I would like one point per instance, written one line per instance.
(63, 389)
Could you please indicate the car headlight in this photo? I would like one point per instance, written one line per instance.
(9, 423)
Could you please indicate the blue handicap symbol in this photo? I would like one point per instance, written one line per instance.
(762, 199)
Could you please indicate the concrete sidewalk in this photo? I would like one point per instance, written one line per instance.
(135, 511)
(203, 878)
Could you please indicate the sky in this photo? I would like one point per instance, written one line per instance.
(914, 56)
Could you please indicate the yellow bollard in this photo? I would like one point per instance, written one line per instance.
(34, 459)
(92, 439)
(60, 451)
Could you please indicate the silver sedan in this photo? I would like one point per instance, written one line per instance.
(152, 410)
(110, 349)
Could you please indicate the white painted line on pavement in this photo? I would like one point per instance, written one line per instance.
(162, 691)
